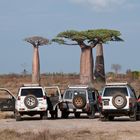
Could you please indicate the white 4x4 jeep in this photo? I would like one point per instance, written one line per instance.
(118, 99)
(31, 100)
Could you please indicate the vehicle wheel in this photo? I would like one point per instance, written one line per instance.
(92, 114)
(119, 100)
(30, 101)
(134, 116)
(79, 101)
(77, 115)
(54, 114)
(103, 117)
(44, 116)
(133, 119)
(18, 117)
(110, 118)
(64, 114)
(138, 117)
(41, 116)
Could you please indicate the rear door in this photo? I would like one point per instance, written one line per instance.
(53, 96)
(7, 100)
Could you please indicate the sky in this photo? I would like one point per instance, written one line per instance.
(46, 18)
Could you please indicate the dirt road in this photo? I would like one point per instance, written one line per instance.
(120, 128)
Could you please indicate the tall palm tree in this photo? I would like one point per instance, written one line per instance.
(36, 41)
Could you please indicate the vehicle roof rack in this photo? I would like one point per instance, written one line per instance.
(78, 86)
(117, 84)
(31, 85)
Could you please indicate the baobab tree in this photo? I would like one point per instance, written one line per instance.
(116, 68)
(103, 36)
(87, 40)
(36, 41)
(82, 39)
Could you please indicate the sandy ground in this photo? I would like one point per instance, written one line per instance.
(120, 128)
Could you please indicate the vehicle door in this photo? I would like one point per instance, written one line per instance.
(53, 96)
(7, 100)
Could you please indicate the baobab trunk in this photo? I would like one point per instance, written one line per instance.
(99, 64)
(36, 67)
(86, 66)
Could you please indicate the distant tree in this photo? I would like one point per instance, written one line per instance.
(116, 68)
(24, 72)
(129, 74)
(36, 41)
(135, 74)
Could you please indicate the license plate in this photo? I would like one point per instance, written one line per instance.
(78, 110)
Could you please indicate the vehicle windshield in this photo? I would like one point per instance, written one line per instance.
(69, 94)
(36, 92)
(110, 91)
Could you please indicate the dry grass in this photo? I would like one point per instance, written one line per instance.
(69, 135)
(6, 115)
(14, 81)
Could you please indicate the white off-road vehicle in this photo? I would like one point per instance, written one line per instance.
(118, 99)
(31, 100)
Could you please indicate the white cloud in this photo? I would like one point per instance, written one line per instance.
(101, 5)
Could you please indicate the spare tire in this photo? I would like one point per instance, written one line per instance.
(30, 101)
(119, 100)
(79, 101)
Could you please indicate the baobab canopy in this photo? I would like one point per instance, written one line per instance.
(88, 37)
(103, 35)
(37, 41)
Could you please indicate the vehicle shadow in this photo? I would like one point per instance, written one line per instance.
(81, 117)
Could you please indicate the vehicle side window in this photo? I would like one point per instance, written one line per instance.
(132, 92)
(68, 95)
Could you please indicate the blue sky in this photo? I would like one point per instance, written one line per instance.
(46, 18)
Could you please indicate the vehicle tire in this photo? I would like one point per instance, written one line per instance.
(138, 117)
(110, 118)
(44, 116)
(119, 101)
(92, 114)
(30, 101)
(41, 116)
(18, 117)
(64, 114)
(103, 117)
(77, 114)
(79, 101)
(54, 114)
(133, 117)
